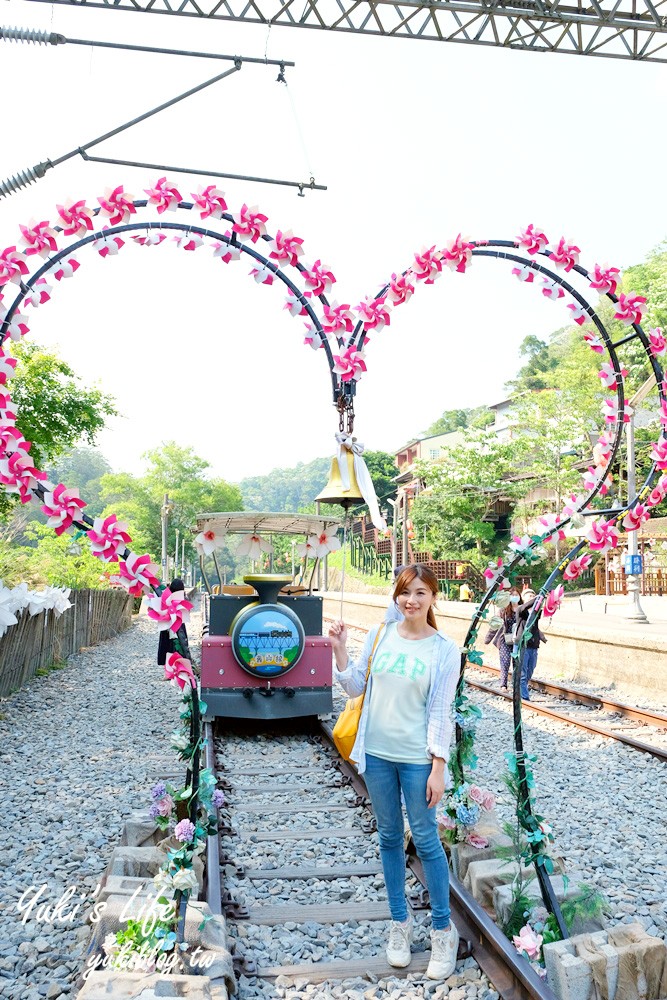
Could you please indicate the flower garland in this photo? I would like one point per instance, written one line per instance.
(20, 598)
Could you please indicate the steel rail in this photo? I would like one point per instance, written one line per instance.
(213, 894)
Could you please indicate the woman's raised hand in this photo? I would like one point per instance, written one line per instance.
(338, 635)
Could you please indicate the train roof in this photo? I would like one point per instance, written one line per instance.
(243, 522)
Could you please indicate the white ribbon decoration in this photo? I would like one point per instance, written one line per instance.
(348, 443)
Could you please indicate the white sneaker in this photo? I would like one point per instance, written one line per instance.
(398, 946)
(444, 946)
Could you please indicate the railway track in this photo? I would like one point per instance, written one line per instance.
(619, 721)
(299, 860)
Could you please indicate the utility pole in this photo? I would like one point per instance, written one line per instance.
(394, 538)
(167, 507)
(176, 552)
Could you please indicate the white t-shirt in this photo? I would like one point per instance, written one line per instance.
(401, 674)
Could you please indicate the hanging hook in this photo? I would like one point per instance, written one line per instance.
(281, 74)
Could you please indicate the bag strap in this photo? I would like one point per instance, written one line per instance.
(370, 658)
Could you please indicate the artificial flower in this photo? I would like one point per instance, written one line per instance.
(249, 223)
(210, 201)
(185, 880)
(605, 279)
(207, 542)
(532, 239)
(118, 205)
(552, 601)
(630, 308)
(325, 540)
(349, 365)
(564, 254)
(457, 254)
(253, 545)
(164, 197)
(528, 942)
(319, 278)
(185, 831)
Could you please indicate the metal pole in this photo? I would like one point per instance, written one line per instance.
(319, 564)
(405, 556)
(178, 535)
(635, 611)
(183, 554)
(164, 514)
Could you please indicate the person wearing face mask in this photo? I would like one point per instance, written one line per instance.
(502, 637)
(529, 661)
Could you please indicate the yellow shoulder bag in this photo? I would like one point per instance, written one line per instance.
(345, 731)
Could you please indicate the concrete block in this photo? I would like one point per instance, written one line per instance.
(482, 877)
(463, 855)
(502, 901)
(141, 831)
(571, 976)
(110, 985)
(135, 862)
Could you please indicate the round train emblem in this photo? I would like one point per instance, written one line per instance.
(267, 640)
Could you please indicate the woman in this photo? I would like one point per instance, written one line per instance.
(401, 746)
(500, 636)
(529, 661)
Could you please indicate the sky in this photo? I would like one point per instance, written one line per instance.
(416, 142)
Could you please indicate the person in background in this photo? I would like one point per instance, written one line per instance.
(529, 661)
(166, 642)
(465, 593)
(502, 636)
(402, 745)
(393, 614)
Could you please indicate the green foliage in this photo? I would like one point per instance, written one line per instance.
(63, 560)
(458, 420)
(82, 469)
(587, 904)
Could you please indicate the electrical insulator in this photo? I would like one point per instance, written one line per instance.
(37, 37)
(22, 179)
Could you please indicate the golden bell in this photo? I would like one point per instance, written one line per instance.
(333, 492)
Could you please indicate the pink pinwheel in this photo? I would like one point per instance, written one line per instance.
(574, 569)
(65, 268)
(210, 201)
(374, 313)
(350, 365)
(602, 536)
(609, 377)
(457, 254)
(338, 318)
(493, 570)
(528, 942)
(657, 494)
(7, 366)
(169, 610)
(605, 279)
(552, 601)
(12, 266)
(610, 411)
(663, 412)
(39, 238)
(189, 241)
(19, 475)
(107, 536)
(565, 254)
(227, 252)
(319, 278)
(11, 440)
(253, 545)
(207, 542)
(295, 304)
(62, 507)
(427, 266)
(138, 574)
(118, 205)
(656, 342)
(400, 288)
(659, 453)
(636, 517)
(262, 275)
(550, 522)
(249, 223)
(76, 217)
(595, 475)
(108, 246)
(286, 246)
(325, 541)
(17, 327)
(312, 338)
(630, 308)
(594, 343)
(602, 448)
(572, 506)
(579, 314)
(153, 238)
(163, 196)
(532, 240)
(179, 672)
(39, 293)
(551, 290)
(8, 409)
(523, 272)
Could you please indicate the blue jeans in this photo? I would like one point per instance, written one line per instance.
(385, 780)
(527, 669)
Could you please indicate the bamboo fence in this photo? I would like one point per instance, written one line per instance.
(43, 639)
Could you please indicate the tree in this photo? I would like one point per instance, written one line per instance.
(82, 468)
(457, 420)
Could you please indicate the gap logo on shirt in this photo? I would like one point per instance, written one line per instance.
(400, 664)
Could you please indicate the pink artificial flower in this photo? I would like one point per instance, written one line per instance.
(523, 272)
(262, 275)
(169, 610)
(12, 266)
(210, 202)
(630, 308)
(656, 342)
(107, 537)
(295, 305)
(349, 365)
(610, 410)
(428, 265)
(108, 246)
(602, 536)
(65, 268)
(579, 314)
(39, 238)
(636, 517)
(249, 223)
(476, 794)
(594, 342)
(338, 318)
(528, 941)
(7, 366)
(488, 801)
(8, 410)
(62, 507)
(166, 803)
(550, 521)
(551, 289)
(609, 377)
(576, 567)
(565, 254)
(375, 313)
(552, 601)
(572, 506)
(163, 196)
(179, 671)
(659, 453)
(657, 494)
(319, 278)
(76, 217)
(118, 205)
(446, 822)
(605, 279)
(17, 326)
(476, 841)
(152, 238)
(189, 241)
(138, 574)
(227, 252)
(532, 240)
(494, 569)
(400, 288)
(38, 294)
(457, 254)
(593, 476)
(286, 246)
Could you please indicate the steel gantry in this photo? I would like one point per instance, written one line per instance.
(618, 29)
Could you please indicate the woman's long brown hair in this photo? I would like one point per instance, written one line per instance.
(427, 576)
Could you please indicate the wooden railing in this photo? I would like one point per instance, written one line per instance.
(43, 639)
